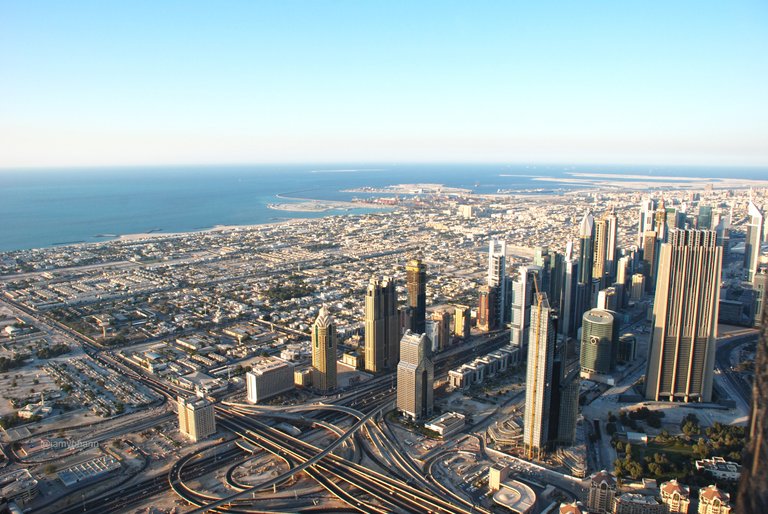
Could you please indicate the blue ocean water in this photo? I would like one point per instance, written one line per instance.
(42, 208)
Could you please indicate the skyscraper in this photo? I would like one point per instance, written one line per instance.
(682, 355)
(497, 278)
(611, 245)
(704, 219)
(650, 258)
(416, 279)
(382, 326)
(486, 306)
(324, 351)
(599, 255)
(753, 241)
(753, 487)
(461, 321)
(586, 258)
(543, 259)
(569, 294)
(599, 342)
(523, 289)
(647, 208)
(538, 393)
(415, 377)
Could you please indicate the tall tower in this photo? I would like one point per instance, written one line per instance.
(650, 258)
(586, 258)
(611, 245)
(538, 385)
(599, 255)
(415, 377)
(416, 279)
(497, 277)
(522, 296)
(324, 351)
(382, 327)
(486, 306)
(753, 488)
(660, 220)
(646, 223)
(682, 355)
(753, 242)
(568, 298)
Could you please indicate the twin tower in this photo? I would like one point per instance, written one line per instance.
(385, 324)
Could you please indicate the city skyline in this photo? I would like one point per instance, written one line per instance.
(347, 81)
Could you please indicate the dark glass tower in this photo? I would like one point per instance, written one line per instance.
(416, 279)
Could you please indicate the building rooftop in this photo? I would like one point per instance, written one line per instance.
(515, 496)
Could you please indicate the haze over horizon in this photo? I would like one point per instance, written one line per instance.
(90, 84)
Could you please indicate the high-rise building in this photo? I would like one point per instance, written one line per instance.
(564, 401)
(753, 242)
(462, 318)
(416, 280)
(599, 249)
(611, 245)
(570, 290)
(647, 208)
(523, 290)
(704, 219)
(660, 221)
(602, 490)
(442, 319)
(324, 351)
(543, 259)
(497, 278)
(650, 258)
(608, 299)
(638, 286)
(586, 258)
(196, 417)
(714, 501)
(538, 393)
(682, 355)
(760, 285)
(415, 377)
(382, 326)
(267, 378)
(599, 342)
(675, 496)
(753, 487)
(486, 306)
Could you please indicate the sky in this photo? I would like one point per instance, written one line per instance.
(191, 82)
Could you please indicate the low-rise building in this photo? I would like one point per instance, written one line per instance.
(714, 501)
(675, 496)
(446, 424)
(719, 468)
(638, 503)
(19, 486)
(269, 377)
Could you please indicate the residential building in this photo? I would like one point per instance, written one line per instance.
(754, 240)
(524, 288)
(538, 394)
(497, 278)
(682, 354)
(602, 491)
(714, 501)
(675, 496)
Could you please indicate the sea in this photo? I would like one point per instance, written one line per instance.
(49, 207)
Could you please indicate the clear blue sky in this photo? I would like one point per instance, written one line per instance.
(154, 82)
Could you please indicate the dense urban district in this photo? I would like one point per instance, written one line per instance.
(582, 351)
